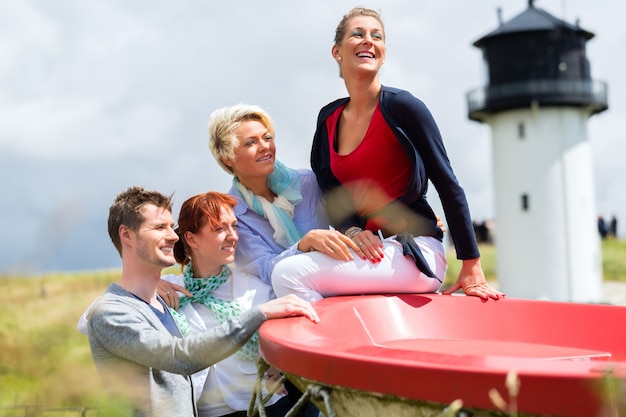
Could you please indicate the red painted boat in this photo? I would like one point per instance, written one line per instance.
(396, 355)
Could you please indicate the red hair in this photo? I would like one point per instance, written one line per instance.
(195, 213)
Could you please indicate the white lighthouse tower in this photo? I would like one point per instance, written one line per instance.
(537, 99)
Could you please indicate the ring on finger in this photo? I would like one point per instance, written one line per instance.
(361, 244)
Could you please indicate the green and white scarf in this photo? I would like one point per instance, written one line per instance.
(202, 289)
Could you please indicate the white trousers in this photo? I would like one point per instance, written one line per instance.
(314, 275)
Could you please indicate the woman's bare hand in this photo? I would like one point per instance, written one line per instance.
(275, 377)
(168, 293)
(440, 224)
(330, 242)
(472, 281)
(370, 245)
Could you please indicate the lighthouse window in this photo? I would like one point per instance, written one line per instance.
(525, 203)
(521, 130)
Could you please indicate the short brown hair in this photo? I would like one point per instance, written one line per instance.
(127, 210)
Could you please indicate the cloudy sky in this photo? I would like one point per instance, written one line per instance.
(96, 96)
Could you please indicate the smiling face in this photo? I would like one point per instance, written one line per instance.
(255, 153)
(214, 244)
(155, 238)
(362, 47)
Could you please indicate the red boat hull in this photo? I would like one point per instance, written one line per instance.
(440, 348)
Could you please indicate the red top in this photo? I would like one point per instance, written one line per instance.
(376, 173)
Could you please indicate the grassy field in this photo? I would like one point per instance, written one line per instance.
(613, 262)
(45, 361)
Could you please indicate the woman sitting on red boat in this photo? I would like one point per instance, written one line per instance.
(373, 154)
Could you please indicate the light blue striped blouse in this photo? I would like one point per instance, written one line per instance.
(257, 251)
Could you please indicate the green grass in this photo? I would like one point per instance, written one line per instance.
(45, 361)
(613, 262)
(487, 261)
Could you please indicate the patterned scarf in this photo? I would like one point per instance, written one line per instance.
(285, 183)
(201, 288)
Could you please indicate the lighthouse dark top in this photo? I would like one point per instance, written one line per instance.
(536, 58)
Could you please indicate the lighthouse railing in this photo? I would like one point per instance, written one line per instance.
(591, 93)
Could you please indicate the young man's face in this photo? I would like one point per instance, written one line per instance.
(155, 238)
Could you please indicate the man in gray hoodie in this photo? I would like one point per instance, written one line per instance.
(135, 344)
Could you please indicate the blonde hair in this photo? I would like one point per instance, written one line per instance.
(225, 121)
(342, 27)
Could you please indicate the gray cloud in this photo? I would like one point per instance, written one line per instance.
(98, 96)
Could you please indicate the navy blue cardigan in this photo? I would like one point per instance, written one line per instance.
(415, 128)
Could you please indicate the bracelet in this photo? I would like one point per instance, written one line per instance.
(353, 231)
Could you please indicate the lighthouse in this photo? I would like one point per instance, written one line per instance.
(537, 99)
